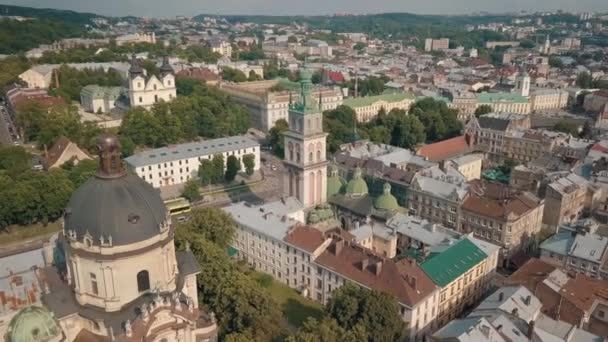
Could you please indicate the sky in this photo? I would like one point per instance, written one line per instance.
(169, 8)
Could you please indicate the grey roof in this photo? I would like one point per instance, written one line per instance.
(468, 329)
(103, 207)
(559, 243)
(513, 298)
(590, 247)
(419, 229)
(495, 124)
(446, 186)
(190, 150)
(261, 221)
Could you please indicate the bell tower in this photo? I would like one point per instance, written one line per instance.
(305, 148)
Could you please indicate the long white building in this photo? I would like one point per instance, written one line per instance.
(179, 163)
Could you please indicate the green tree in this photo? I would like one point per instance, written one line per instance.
(244, 309)
(327, 330)
(14, 160)
(359, 46)
(191, 191)
(376, 312)
(483, 109)
(584, 80)
(212, 224)
(275, 137)
(253, 76)
(527, 44)
(206, 172)
(292, 39)
(233, 75)
(566, 127)
(249, 163)
(586, 132)
(218, 168)
(233, 166)
(408, 132)
(82, 171)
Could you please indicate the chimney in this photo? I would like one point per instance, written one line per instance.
(378, 268)
(414, 283)
(364, 264)
(338, 246)
(527, 300)
(531, 329)
(515, 312)
(501, 296)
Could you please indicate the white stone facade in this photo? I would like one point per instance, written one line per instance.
(178, 164)
(146, 91)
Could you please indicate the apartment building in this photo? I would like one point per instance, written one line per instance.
(437, 196)
(469, 165)
(221, 47)
(548, 99)
(580, 252)
(272, 239)
(490, 130)
(494, 213)
(138, 37)
(575, 299)
(505, 102)
(179, 163)
(565, 200)
(367, 107)
(512, 313)
(268, 101)
(525, 146)
(436, 44)
(463, 271)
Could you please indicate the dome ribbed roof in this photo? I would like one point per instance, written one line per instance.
(33, 324)
(357, 186)
(386, 201)
(126, 208)
(335, 183)
(114, 205)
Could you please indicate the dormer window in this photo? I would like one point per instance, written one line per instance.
(133, 218)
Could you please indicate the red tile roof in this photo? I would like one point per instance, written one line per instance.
(447, 148)
(403, 279)
(305, 237)
(335, 76)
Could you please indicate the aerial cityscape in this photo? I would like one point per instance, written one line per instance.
(269, 170)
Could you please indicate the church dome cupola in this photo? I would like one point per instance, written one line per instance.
(135, 69)
(114, 207)
(166, 68)
(386, 201)
(33, 324)
(335, 184)
(357, 187)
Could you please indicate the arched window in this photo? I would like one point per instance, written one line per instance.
(310, 157)
(143, 281)
(155, 98)
(155, 87)
(297, 153)
(290, 147)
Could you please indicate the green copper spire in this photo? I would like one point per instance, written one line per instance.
(306, 103)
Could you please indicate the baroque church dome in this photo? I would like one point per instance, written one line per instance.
(335, 184)
(357, 187)
(114, 207)
(386, 201)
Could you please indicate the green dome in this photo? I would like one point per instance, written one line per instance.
(335, 183)
(33, 324)
(386, 201)
(357, 186)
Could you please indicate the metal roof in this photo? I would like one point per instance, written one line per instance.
(190, 150)
(450, 264)
(126, 208)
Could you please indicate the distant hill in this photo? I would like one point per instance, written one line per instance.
(49, 25)
(48, 14)
(361, 22)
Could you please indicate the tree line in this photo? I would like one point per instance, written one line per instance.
(427, 121)
(29, 196)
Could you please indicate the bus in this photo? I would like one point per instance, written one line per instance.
(178, 206)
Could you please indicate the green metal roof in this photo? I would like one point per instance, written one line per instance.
(357, 102)
(501, 97)
(33, 324)
(357, 186)
(232, 251)
(453, 262)
(386, 201)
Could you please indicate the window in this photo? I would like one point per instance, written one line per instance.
(94, 287)
(141, 99)
(143, 281)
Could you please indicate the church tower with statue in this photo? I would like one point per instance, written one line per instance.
(305, 148)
